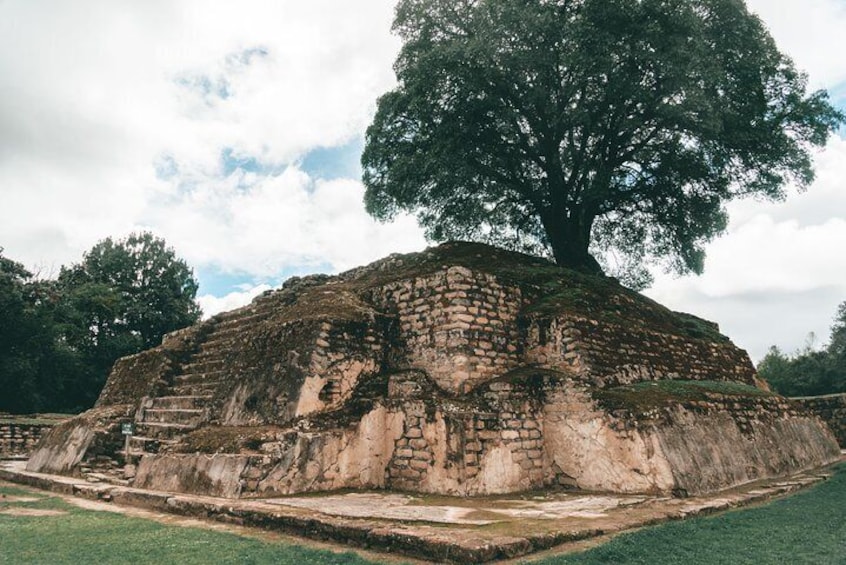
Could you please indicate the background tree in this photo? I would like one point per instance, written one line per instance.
(121, 299)
(60, 338)
(810, 372)
(552, 125)
(36, 364)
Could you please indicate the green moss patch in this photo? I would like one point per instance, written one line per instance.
(654, 394)
(34, 419)
(227, 439)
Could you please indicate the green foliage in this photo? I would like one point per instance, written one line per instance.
(807, 527)
(809, 372)
(85, 536)
(135, 287)
(59, 339)
(550, 126)
(121, 299)
(37, 366)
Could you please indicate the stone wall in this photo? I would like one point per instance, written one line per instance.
(525, 431)
(94, 433)
(18, 439)
(427, 375)
(457, 325)
(608, 354)
(831, 409)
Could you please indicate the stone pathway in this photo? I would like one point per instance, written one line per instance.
(444, 529)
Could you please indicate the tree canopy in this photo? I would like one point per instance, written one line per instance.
(59, 338)
(566, 126)
(810, 372)
(37, 366)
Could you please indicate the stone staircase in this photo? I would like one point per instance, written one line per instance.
(183, 405)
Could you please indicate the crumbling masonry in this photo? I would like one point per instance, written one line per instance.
(463, 370)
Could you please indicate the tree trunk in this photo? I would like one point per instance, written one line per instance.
(570, 239)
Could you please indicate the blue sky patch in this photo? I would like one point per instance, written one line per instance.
(206, 86)
(219, 283)
(246, 57)
(837, 95)
(230, 162)
(166, 167)
(342, 161)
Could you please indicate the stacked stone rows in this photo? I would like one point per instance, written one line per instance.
(832, 410)
(459, 326)
(745, 411)
(612, 355)
(20, 439)
(512, 424)
(337, 343)
(412, 455)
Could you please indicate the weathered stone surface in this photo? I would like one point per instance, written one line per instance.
(19, 435)
(90, 435)
(831, 409)
(461, 370)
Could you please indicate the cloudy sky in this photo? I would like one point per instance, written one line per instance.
(234, 131)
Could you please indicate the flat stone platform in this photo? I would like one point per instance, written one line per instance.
(443, 529)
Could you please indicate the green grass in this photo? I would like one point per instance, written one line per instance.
(809, 527)
(84, 536)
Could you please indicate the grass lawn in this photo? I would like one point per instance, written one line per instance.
(85, 536)
(809, 527)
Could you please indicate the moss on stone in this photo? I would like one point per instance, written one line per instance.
(655, 394)
(227, 439)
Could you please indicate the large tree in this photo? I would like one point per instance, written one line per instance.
(556, 125)
(60, 338)
(37, 367)
(121, 299)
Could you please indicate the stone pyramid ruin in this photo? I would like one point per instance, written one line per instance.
(461, 370)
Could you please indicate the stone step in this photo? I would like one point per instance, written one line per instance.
(198, 377)
(143, 440)
(217, 349)
(196, 388)
(140, 445)
(191, 416)
(204, 366)
(157, 430)
(244, 318)
(185, 401)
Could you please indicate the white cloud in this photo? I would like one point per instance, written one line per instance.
(92, 99)
(95, 95)
(261, 224)
(780, 271)
(811, 32)
(212, 305)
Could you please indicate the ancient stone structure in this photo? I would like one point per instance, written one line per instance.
(831, 409)
(461, 370)
(20, 434)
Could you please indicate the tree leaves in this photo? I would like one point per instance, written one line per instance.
(60, 338)
(809, 372)
(541, 124)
